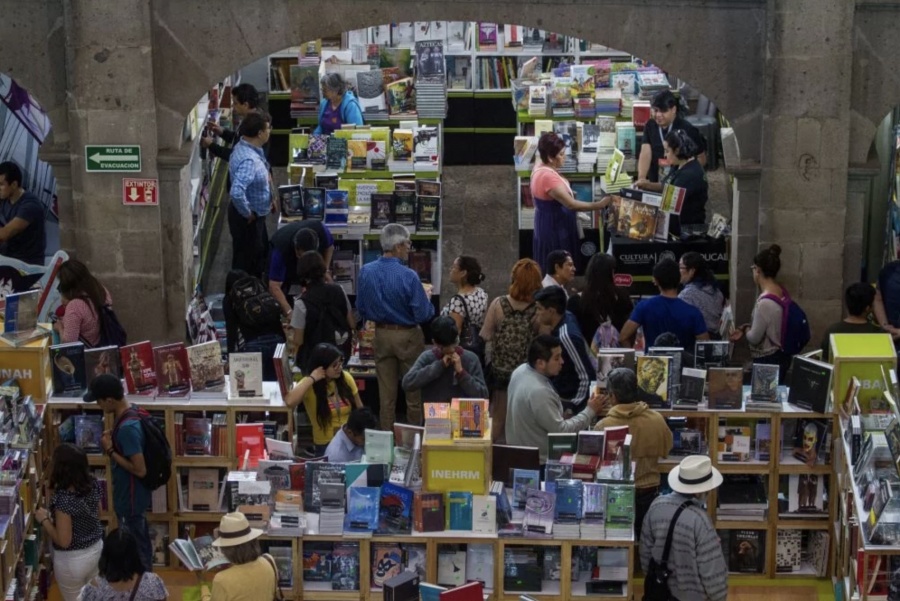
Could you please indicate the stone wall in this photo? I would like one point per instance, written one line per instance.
(803, 82)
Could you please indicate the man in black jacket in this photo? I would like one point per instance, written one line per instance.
(244, 99)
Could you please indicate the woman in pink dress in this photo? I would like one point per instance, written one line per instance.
(555, 225)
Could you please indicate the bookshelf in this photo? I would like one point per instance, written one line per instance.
(779, 467)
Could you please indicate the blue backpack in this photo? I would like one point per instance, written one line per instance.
(795, 333)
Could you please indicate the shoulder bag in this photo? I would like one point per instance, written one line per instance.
(278, 595)
(656, 582)
(137, 585)
(469, 335)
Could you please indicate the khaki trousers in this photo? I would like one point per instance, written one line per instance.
(395, 353)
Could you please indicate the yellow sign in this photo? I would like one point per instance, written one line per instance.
(29, 365)
(449, 468)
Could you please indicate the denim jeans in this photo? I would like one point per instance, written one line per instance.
(137, 525)
(265, 345)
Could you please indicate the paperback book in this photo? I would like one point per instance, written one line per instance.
(198, 554)
(810, 384)
(102, 360)
(206, 367)
(172, 375)
(69, 379)
(246, 376)
(137, 363)
(725, 387)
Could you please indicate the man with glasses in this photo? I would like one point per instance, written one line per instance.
(391, 295)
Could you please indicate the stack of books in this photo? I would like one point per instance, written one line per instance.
(742, 498)
(650, 84)
(431, 80)
(608, 101)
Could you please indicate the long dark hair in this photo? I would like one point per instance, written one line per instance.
(600, 293)
(120, 560)
(70, 470)
(702, 273)
(311, 268)
(323, 355)
(76, 281)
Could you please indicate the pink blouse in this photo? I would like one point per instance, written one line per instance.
(544, 179)
(80, 321)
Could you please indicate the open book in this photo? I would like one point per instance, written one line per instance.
(198, 554)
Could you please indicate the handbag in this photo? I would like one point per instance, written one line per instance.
(137, 585)
(279, 596)
(470, 337)
(656, 582)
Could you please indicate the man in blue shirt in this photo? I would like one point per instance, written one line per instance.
(887, 300)
(125, 447)
(251, 196)
(22, 233)
(665, 312)
(573, 383)
(349, 443)
(391, 295)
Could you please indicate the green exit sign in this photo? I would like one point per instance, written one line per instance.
(112, 158)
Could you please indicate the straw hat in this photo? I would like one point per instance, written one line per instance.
(234, 530)
(695, 474)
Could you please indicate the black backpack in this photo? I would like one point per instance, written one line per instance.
(157, 452)
(111, 331)
(253, 304)
(326, 321)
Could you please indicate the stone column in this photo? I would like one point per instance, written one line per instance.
(744, 239)
(176, 230)
(859, 188)
(109, 64)
(805, 149)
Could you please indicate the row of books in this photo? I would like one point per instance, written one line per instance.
(666, 382)
(419, 213)
(356, 149)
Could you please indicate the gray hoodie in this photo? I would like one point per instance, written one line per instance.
(439, 383)
(708, 298)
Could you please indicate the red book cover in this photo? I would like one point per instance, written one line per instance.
(615, 437)
(581, 464)
(198, 433)
(473, 591)
(173, 376)
(137, 364)
(250, 437)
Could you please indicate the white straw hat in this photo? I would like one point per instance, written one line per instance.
(695, 474)
(234, 530)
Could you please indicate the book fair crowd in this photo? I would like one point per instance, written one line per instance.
(535, 354)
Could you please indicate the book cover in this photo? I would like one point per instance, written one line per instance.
(619, 504)
(430, 65)
(810, 384)
(318, 473)
(159, 542)
(88, 432)
(806, 493)
(206, 366)
(487, 36)
(459, 510)
(420, 262)
(653, 380)
(451, 566)
(473, 417)
(172, 374)
(480, 564)
(734, 443)
(590, 442)
(405, 208)
(69, 378)
(523, 481)
(379, 446)
(198, 436)
(291, 200)
(764, 383)
(317, 561)
(356, 154)
(809, 438)
(693, 384)
(250, 442)
(203, 489)
(387, 562)
(609, 359)
(428, 215)
(314, 203)
(429, 511)
(137, 363)
(246, 375)
(20, 313)
(594, 501)
(642, 224)
(711, 353)
(763, 440)
(426, 145)
(725, 387)
(540, 511)
(370, 91)
(345, 567)
(559, 443)
(473, 591)
(284, 559)
(747, 551)
(318, 148)
(382, 210)
(100, 361)
(484, 514)
(614, 438)
(555, 470)
(415, 559)
(402, 145)
(672, 199)
(401, 99)
(569, 500)
(336, 154)
(395, 512)
(787, 550)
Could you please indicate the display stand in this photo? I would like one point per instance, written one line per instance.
(29, 365)
(868, 357)
(637, 259)
(775, 472)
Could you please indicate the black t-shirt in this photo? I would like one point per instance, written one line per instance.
(692, 178)
(654, 136)
(30, 244)
(283, 243)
